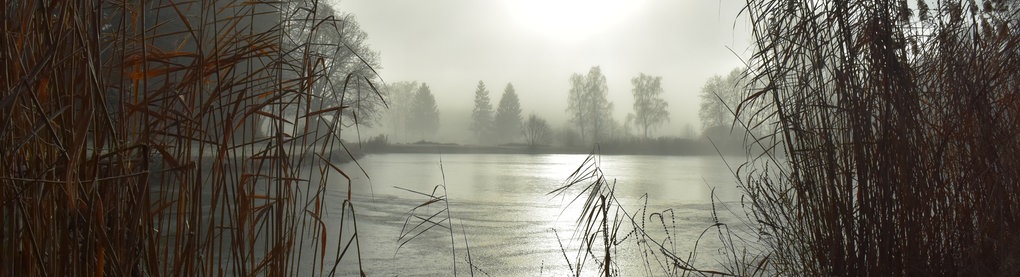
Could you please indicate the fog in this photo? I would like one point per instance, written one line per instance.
(536, 45)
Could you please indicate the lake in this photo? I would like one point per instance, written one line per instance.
(500, 204)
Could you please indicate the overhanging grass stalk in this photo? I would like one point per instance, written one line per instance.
(134, 142)
(899, 125)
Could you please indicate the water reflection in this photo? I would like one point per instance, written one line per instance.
(503, 204)
(494, 177)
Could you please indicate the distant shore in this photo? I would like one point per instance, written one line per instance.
(693, 149)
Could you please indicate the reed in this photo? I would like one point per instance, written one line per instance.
(896, 132)
(135, 142)
(422, 219)
(883, 143)
(606, 226)
(597, 235)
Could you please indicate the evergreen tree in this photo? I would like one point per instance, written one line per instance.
(424, 115)
(481, 116)
(507, 125)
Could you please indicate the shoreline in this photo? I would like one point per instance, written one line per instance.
(607, 149)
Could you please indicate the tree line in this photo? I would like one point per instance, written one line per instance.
(414, 114)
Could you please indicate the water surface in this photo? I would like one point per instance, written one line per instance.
(500, 203)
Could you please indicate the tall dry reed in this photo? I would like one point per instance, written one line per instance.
(899, 123)
(890, 132)
(135, 142)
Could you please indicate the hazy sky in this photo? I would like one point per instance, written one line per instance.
(538, 44)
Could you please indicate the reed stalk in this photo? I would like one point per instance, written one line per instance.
(134, 140)
(897, 131)
(889, 130)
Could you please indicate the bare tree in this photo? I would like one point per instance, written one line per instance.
(649, 107)
(336, 40)
(400, 96)
(719, 99)
(576, 104)
(588, 106)
(537, 131)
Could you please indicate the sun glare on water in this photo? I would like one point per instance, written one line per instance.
(569, 20)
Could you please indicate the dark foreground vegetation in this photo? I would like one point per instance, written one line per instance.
(899, 124)
(131, 141)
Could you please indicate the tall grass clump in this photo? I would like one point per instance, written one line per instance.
(897, 124)
(150, 138)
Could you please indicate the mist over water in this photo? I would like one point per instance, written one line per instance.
(501, 203)
(198, 138)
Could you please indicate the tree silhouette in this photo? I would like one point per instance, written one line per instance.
(400, 97)
(481, 116)
(649, 107)
(423, 118)
(507, 125)
(719, 99)
(587, 104)
(537, 131)
(576, 104)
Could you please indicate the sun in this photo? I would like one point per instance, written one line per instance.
(569, 20)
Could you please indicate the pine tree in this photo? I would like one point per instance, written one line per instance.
(507, 125)
(481, 116)
(424, 115)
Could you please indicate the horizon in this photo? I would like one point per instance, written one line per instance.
(500, 42)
